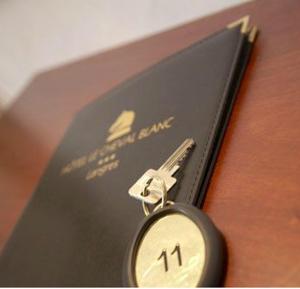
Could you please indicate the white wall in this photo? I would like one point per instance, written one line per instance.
(38, 34)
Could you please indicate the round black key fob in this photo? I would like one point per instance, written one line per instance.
(176, 246)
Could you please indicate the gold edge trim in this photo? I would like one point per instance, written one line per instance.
(252, 34)
(244, 22)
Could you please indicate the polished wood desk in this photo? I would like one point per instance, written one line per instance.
(254, 195)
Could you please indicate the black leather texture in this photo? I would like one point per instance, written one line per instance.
(76, 228)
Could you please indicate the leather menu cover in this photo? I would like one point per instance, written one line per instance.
(76, 228)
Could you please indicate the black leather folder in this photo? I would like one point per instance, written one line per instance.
(76, 228)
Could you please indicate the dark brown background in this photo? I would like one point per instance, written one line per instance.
(254, 196)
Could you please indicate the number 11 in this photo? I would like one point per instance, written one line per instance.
(177, 249)
(164, 255)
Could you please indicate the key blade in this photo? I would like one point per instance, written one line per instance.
(165, 172)
(172, 164)
(174, 170)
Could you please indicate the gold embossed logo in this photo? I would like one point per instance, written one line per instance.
(120, 135)
(121, 126)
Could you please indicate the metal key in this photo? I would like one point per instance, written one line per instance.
(165, 172)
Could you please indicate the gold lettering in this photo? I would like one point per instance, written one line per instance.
(99, 172)
(142, 133)
(167, 122)
(117, 144)
(74, 164)
(107, 152)
(90, 175)
(93, 156)
(155, 128)
(67, 169)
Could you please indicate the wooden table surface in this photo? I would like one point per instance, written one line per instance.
(254, 195)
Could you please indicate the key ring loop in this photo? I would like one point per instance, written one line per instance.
(164, 200)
